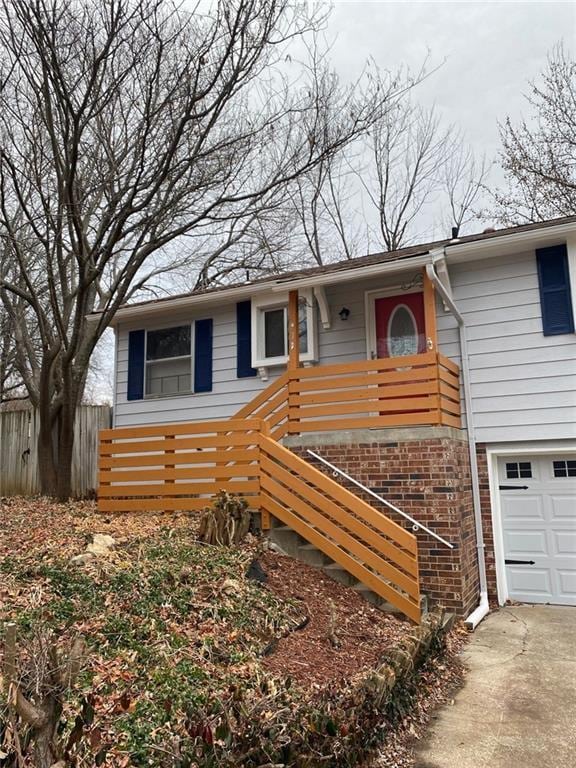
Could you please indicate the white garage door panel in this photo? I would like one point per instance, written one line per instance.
(564, 543)
(567, 582)
(563, 506)
(525, 543)
(524, 508)
(535, 583)
(539, 529)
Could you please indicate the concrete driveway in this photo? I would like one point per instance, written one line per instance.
(518, 706)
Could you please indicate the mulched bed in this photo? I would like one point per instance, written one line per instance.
(363, 633)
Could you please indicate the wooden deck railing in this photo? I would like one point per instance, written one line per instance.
(178, 466)
(370, 546)
(181, 466)
(421, 389)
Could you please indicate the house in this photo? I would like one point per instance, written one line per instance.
(441, 378)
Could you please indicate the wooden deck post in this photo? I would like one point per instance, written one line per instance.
(293, 331)
(293, 358)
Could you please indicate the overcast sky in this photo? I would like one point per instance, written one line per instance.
(488, 52)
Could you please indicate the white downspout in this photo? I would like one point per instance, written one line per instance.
(483, 608)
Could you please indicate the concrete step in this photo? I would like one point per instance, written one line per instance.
(285, 538)
(308, 553)
(340, 574)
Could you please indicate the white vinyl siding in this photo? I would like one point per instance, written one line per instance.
(522, 382)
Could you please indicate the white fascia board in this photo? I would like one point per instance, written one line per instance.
(248, 290)
(137, 311)
(509, 243)
(359, 273)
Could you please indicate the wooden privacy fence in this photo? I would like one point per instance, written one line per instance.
(19, 451)
(387, 392)
(178, 466)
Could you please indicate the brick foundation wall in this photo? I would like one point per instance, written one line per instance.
(428, 478)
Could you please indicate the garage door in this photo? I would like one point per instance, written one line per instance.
(538, 506)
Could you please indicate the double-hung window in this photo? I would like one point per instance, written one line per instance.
(270, 323)
(169, 361)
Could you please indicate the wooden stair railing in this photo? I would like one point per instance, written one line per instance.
(370, 546)
(180, 466)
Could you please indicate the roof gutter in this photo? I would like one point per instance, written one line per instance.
(330, 278)
(480, 612)
(251, 289)
(512, 241)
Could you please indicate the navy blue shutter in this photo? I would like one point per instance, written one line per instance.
(244, 340)
(203, 355)
(136, 343)
(554, 282)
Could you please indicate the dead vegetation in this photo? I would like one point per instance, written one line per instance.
(196, 655)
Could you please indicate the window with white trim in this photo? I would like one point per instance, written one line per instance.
(270, 329)
(169, 361)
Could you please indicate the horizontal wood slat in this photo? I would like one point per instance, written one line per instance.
(397, 405)
(363, 574)
(189, 428)
(340, 494)
(360, 379)
(369, 422)
(240, 487)
(451, 421)
(366, 392)
(186, 473)
(162, 504)
(361, 366)
(447, 363)
(177, 444)
(333, 520)
(204, 457)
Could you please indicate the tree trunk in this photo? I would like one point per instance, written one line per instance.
(46, 451)
(45, 754)
(66, 421)
(56, 439)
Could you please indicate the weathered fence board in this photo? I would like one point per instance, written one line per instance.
(19, 453)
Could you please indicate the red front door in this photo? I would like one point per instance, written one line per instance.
(400, 325)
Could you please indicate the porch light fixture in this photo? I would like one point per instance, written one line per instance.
(344, 313)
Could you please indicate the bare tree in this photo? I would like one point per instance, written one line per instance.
(124, 125)
(463, 182)
(409, 149)
(323, 210)
(538, 155)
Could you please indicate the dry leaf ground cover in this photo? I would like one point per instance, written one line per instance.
(190, 662)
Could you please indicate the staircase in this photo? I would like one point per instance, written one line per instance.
(310, 515)
(290, 543)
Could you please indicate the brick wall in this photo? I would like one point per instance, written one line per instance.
(429, 478)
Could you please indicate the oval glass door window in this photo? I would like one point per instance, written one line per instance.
(402, 332)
